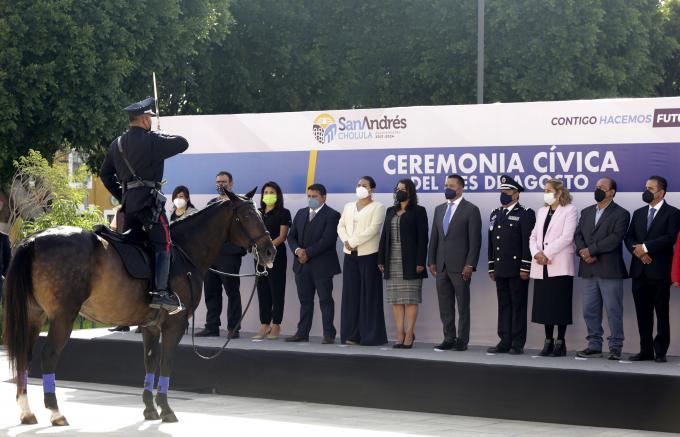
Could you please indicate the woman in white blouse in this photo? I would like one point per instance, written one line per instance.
(362, 319)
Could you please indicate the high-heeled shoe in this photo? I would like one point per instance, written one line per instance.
(259, 336)
(408, 346)
(271, 336)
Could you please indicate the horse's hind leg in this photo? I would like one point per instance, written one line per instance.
(173, 330)
(58, 335)
(27, 417)
(151, 355)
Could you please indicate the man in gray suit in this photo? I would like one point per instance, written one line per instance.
(452, 257)
(599, 242)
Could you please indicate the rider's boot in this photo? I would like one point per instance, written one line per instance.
(161, 296)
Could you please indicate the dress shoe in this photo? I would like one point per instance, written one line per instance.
(327, 339)
(614, 354)
(498, 349)
(262, 334)
(445, 346)
(233, 334)
(351, 342)
(516, 350)
(460, 346)
(297, 339)
(641, 357)
(548, 346)
(119, 328)
(560, 349)
(208, 333)
(397, 345)
(660, 359)
(589, 353)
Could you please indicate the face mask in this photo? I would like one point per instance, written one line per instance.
(269, 199)
(647, 196)
(449, 194)
(221, 190)
(313, 202)
(599, 195)
(400, 196)
(362, 192)
(549, 198)
(179, 203)
(505, 199)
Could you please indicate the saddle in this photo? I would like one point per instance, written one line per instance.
(135, 252)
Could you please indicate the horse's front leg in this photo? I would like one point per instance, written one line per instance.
(172, 332)
(151, 357)
(58, 335)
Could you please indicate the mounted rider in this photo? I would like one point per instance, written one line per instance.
(132, 172)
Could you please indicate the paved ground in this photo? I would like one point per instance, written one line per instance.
(105, 410)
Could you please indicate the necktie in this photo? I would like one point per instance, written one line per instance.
(650, 217)
(447, 218)
(312, 214)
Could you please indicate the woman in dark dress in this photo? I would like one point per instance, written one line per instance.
(271, 289)
(402, 259)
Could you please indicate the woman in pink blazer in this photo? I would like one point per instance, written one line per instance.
(552, 268)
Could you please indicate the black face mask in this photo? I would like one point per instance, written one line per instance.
(400, 196)
(647, 196)
(449, 194)
(505, 199)
(599, 195)
(221, 190)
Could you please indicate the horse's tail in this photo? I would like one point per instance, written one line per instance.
(16, 332)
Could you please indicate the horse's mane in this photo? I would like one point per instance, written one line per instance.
(179, 225)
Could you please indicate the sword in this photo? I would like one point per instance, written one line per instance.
(155, 96)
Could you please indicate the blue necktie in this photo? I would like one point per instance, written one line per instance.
(447, 218)
(650, 218)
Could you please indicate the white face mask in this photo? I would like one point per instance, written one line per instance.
(179, 203)
(549, 198)
(362, 192)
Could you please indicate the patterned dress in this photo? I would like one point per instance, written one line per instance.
(399, 290)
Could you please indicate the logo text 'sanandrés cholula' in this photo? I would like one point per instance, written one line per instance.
(384, 123)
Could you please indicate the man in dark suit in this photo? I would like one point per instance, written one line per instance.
(312, 239)
(509, 265)
(599, 242)
(650, 239)
(452, 257)
(228, 261)
(5, 256)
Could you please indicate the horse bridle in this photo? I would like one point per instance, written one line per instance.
(252, 243)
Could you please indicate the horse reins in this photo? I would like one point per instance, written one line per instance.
(258, 273)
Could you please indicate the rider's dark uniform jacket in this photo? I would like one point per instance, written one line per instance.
(146, 152)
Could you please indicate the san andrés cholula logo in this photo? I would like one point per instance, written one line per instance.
(326, 129)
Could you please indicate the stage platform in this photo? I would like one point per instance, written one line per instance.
(570, 390)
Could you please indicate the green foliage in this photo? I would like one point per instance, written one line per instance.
(309, 55)
(671, 80)
(67, 67)
(63, 195)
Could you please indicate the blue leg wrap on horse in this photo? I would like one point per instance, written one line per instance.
(148, 381)
(24, 379)
(49, 383)
(163, 384)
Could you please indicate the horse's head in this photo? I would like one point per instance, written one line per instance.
(248, 230)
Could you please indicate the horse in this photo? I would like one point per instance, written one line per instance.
(61, 272)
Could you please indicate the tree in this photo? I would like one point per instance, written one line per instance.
(68, 67)
(671, 78)
(310, 55)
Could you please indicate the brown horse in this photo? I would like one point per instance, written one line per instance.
(61, 272)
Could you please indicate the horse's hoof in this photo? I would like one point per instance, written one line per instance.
(28, 419)
(59, 421)
(169, 418)
(151, 414)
